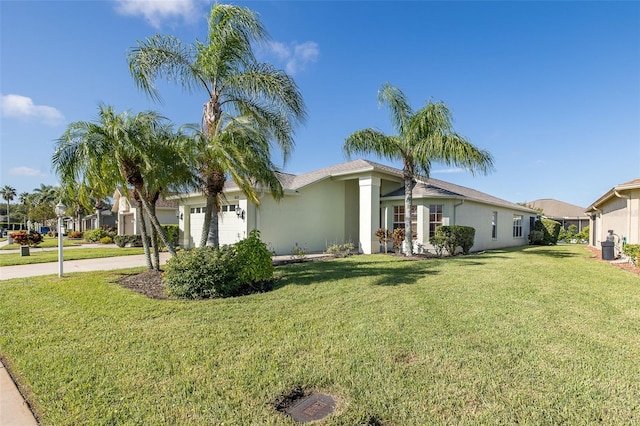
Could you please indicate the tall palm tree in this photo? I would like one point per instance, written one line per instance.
(8, 193)
(120, 150)
(46, 194)
(423, 137)
(246, 99)
(24, 199)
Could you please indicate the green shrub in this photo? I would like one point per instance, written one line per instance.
(24, 238)
(196, 273)
(341, 250)
(95, 235)
(438, 242)
(550, 229)
(632, 251)
(106, 240)
(173, 233)
(254, 264)
(536, 237)
(452, 237)
(466, 236)
(228, 271)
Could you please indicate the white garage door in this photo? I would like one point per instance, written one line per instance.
(196, 223)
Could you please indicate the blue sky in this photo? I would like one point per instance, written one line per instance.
(551, 89)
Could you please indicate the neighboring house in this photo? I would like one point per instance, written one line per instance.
(90, 221)
(127, 210)
(617, 210)
(347, 203)
(565, 213)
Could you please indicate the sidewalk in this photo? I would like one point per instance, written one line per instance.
(14, 411)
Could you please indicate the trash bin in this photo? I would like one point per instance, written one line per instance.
(24, 250)
(607, 250)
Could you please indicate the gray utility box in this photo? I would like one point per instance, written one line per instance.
(607, 250)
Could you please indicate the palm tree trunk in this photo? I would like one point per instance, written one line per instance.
(156, 223)
(210, 235)
(408, 202)
(145, 240)
(154, 241)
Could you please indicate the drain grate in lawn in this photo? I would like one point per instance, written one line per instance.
(303, 407)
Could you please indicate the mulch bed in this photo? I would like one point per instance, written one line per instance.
(627, 266)
(148, 283)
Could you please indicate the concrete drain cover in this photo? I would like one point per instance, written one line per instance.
(313, 407)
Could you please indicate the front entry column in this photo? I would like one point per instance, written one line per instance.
(369, 214)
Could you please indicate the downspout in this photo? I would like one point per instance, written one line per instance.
(628, 198)
(454, 210)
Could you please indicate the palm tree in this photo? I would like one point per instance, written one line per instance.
(246, 100)
(120, 150)
(423, 137)
(46, 194)
(8, 193)
(24, 199)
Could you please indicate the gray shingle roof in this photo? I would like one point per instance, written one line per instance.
(424, 188)
(557, 209)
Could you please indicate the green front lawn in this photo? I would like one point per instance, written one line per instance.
(540, 335)
(39, 256)
(48, 242)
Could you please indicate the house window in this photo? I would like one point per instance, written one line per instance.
(494, 225)
(228, 208)
(398, 219)
(435, 218)
(517, 226)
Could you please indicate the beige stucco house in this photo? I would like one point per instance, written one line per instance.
(617, 210)
(127, 209)
(565, 213)
(348, 202)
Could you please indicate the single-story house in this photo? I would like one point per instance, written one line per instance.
(565, 213)
(347, 203)
(92, 221)
(617, 210)
(127, 209)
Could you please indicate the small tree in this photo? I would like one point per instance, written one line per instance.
(398, 238)
(384, 236)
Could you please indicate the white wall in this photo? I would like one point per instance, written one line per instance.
(469, 213)
(314, 218)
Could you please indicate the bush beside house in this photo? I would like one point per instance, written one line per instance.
(545, 232)
(205, 272)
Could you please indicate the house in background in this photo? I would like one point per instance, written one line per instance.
(127, 210)
(617, 210)
(565, 213)
(348, 202)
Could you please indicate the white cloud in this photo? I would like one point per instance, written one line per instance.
(23, 107)
(294, 56)
(155, 11)
(24, 171)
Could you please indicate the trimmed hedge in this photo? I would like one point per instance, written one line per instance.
(545, 232)
(452, 237)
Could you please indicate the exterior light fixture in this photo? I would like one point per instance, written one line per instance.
(240, 213)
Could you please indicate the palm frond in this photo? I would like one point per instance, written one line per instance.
(399, 109)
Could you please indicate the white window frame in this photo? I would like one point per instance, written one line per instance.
(517, 226)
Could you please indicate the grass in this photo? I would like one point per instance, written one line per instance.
(540, 335)
(48, 242)
(40, 256)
